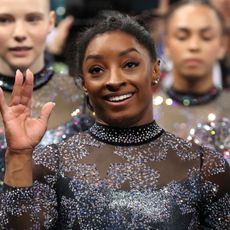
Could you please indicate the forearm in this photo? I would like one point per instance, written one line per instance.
(18, 171)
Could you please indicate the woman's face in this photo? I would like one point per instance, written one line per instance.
(118, 74)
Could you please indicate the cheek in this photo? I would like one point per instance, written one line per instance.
(176, 49)
(212, 49)
(38, 39)
(93, 89)
(4, 37)
(211, 52)
(145, 87)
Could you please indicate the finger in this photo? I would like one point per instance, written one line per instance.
(16, 94)
(46, 111)
(65, 25)
(3, 105)
(27, 89)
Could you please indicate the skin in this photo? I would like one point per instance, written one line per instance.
(194, 42)
(116, 64)
(24, 26)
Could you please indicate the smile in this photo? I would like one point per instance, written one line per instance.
(120, 98)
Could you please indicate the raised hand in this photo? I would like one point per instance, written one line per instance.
(23, 131)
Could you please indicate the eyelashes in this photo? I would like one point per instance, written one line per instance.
(95, 70)
(131, 64)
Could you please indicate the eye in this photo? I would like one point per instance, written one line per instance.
(130, 64)
(207, 37)
(5, 20)
(33, 18)
(182, 35)
(95, 70)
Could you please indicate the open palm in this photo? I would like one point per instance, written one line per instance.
(21, 130)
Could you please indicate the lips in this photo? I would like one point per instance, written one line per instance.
(22, 48)
(20, 51)
(193, 62)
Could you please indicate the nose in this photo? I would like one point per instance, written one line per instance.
(115, 80)
(194, 43)
(20, 32)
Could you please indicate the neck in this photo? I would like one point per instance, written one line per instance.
(10, 70)
(192, 84)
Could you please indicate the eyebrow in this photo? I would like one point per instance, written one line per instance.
(38, 14)
(122, 53)
(5, 14)
(185, 29)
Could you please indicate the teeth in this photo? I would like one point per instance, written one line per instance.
(120, 98)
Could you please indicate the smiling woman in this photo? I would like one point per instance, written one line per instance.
(125, 172)
(118, 73)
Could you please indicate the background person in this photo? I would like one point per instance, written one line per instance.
(194, 42)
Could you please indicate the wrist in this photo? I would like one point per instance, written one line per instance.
(18, 171)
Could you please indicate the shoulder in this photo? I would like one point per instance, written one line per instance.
(185, 149)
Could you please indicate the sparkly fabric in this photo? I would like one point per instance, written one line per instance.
(158, 182)
(40, 79)
(214, 134)
(190, 99)
(67, 117)
(182, 120)
(126, 136)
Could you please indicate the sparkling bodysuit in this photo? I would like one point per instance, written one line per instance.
(122, 178)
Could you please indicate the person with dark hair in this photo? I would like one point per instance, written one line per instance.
(125, 172)
(194, 43)
(24, 26)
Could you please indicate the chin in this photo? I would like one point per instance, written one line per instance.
(193, 76)
(121, 121)
(21, 66)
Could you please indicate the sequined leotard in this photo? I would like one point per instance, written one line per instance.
(114, 178)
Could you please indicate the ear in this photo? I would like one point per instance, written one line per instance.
(156, 72)
(223, 47)
(83, 86)
(52, 20)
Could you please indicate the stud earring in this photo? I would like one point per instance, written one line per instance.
(155, 82)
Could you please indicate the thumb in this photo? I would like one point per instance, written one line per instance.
(46, 111)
